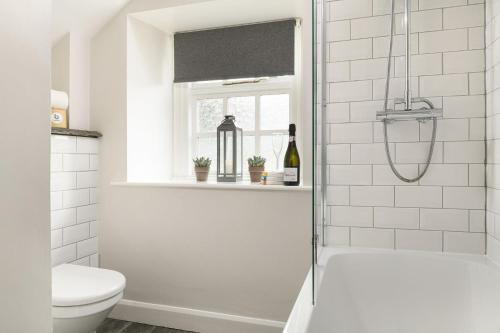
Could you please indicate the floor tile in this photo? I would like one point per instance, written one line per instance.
(112, 326)
(138, 328)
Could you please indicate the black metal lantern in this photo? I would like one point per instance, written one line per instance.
(229, 151)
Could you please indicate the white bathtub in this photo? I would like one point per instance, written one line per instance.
(377, 291)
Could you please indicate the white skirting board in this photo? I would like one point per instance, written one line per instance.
(192, 319)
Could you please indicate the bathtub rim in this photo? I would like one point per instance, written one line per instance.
(300, 316)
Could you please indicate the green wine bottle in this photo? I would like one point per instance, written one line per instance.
(291, 176)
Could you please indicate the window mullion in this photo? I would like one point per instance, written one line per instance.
(257, 124)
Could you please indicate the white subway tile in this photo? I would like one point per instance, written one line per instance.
(338, 154)
(381, 7)
(421, 21)
(383, 175)
(337, 236)
(443, 41)
(94, 260)
(372, 196)
(338, 71)
(337, 113)
(337, 31)
(351, 133)
(444, 219)
(429, 4)
(76, 233)
(56, 162)
(94, 195)
(348, 216)
(421, 64)
(337, 195)
(75, 162)
(75, 198)
(82, 262)
(368, 69)
(447, 130)
(463, 17)
(463, 106)
(87, 179)
(351, 50)
(419, 196)
(365, 111)
(446, 175)
(419, 240)
(63, 144)
(476, 83)
(351, 174)
(94, 162)
(87, 247)
(63, 254)
(477, 129)
(93, 229)
(477, 221)
(399, 218)
(87, 145)
(381, 46)
(55, 238)
(401, 131)
(351, 91)
(464, 152)
(370, 237)
(477, 175)
(476, 38)
(464, 242)
(348, 9)
(444, 85)
(464, 197)
(375, 26)
(60, 181)
(396, 88)
(370, 153)
(62, 218)
(463, 61)
(86, 213)
(56, 200)
(417, 152)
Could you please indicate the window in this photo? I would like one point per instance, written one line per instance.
(263, 110)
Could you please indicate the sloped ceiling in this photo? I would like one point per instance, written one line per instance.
(86, 17)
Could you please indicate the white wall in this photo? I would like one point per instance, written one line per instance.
(149, 102)
(60, 64)
(24, 168)
(369, 206)
(154, 234)
(492, 129)
(74, 196)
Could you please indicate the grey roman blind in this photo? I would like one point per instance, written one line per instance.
(256, 50)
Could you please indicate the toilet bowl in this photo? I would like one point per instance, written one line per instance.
(82, 297)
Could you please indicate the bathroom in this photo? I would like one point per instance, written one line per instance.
(392, 223)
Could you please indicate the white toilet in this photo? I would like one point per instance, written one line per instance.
(82, 297)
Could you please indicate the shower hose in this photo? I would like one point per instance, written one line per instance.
(385, 121)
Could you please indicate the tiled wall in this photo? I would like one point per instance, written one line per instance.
(74, 177)
(369, 206)
(493, 127)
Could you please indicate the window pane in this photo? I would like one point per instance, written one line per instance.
(210, 114)
(207, 147)
(243, 108)
(273, 148)
(275, 112)
(248, 151)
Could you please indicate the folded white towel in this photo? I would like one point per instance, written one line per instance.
(59, 100)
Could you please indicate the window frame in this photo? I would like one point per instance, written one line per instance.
(217, 90)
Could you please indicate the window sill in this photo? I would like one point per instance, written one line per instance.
(212, 185)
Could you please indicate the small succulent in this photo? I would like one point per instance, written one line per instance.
(256, 161)
(202, 162)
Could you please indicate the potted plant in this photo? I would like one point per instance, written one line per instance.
(256, 168)
(201, 168)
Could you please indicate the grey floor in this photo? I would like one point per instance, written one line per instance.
(120, 326)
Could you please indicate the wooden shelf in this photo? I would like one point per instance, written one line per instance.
(74, 132)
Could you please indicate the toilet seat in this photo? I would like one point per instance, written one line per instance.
(82, 286)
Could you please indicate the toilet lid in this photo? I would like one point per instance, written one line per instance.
(80, 285)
